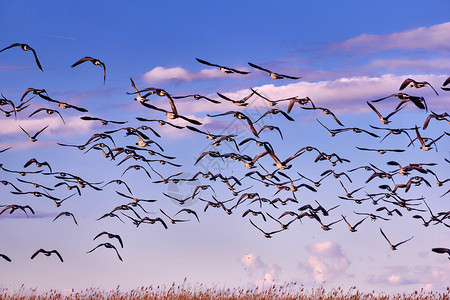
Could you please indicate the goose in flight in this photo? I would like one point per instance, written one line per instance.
(439, 117)
(66, 213)
(49, 111)
(350, 227)
(221, 68)
(25, 47)
(418, 101)
(238, 115)
(266, 234)
(14, 207)
(47, 253)
(273, 74)
(240, 102)
(5, 257)
(325, 111)
(104, 122)
(111, 236)
(394, 247)
(197, 97)
(109, 246)
(34, 137)
(171, 115)
(384, 120)
(442, 251)
(446, 82)
(416, 84)
(95, 62)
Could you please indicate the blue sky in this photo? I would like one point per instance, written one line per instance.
(346, 54)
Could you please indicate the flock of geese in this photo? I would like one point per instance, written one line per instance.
(145, 152)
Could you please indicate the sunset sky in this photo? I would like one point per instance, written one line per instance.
(346, 55)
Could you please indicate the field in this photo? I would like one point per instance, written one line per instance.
(200, 291)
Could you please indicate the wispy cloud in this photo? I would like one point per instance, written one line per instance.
(429, 277)
(433, 38)
(326, 262)
(413, 65)
(22, 215)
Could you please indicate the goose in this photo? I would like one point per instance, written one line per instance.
(189, 211)
(441, 251)
(135, 200)
(173, 221)
(241, 102)
(25, 47)
(47, 253)
(5, 257)
(283, 226)
(426, 147)
(446, 82)
(95, 62)
(416, 84)
(34, 137)
(240, 116)
(266, 234)
(394, 247)
(49, 111)
(384, 120)
(275, 111)
(254, 213)
(111, 236)
(109, 246)
(197, 97)
(221, 68)
(273, 75)
(160, 122)
(36, 185)
(271, 128)
(35, 92)
(103, 121)
(38, 164)
(14, 207)
(350, 227)
(418, 101)
(171, 115)
(325, 111)
(438, 117)
(68, 214)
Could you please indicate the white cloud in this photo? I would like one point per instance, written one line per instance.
(430, 38)
(343, 95)
(346, 95)
(74, 125)
(326, 262)
(261, 272)
(12, 136)
(159, 74)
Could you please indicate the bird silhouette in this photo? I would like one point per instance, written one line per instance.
(25, 47)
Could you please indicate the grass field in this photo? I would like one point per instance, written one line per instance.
(200, 291)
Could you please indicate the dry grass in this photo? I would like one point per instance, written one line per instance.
(200, 291)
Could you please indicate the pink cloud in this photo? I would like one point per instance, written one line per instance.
(261, 272)
(429, 277)
(437, 65)
(430, 38)
(326, 262)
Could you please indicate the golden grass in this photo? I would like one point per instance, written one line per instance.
(199, 291)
